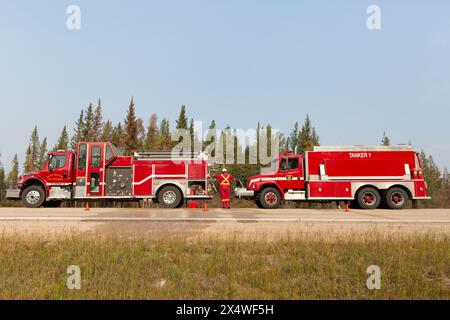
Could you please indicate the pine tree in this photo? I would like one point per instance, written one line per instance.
(182, 122)
(97, 123)
(14, 173)
(78, 132)
(63, 140)
(308, 137)
(385, 141)
(42, 156)
(106, 132)
(130, 130)
(88, 126)
(152, 138)
(117, 136)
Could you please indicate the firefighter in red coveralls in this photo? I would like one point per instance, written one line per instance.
(225, 187)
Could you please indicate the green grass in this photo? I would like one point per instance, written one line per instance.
(114, 268)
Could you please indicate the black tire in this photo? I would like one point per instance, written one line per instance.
(368, 198)
(258, 203)
(270, 198)
(33, 197)
(52, 204)
(170, 197)
(396, 198)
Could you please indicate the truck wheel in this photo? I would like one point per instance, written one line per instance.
(33, 197)
(258, 203)
(396, 198)
(170, 197)
(368, 198)
(270, 198)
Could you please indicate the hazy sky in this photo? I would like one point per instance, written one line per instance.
(238, 62)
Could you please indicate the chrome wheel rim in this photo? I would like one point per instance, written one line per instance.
(169, 197)
(33, 197)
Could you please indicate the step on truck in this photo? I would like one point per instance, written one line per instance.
(99, 171)
(366, 177)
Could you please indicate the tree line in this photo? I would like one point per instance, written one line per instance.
(133, 133)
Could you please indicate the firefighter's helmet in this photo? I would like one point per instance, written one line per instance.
(224, 170)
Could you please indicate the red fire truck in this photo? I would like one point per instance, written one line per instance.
(364, 176)
(98, 171)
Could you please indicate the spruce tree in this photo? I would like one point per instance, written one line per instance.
(88, 124)
(308, 137)
(28, 163)
(14, 173)
(130, 130)
(35, 148)
(2, 177)
(63, 140)
(165, 138)
(140, 134)
(78, 132)
(182, 122)
(106, 132)
(117, 136)
(97, 123)
(385, 141)
(152, 138)
(42, 156)
(292, 140)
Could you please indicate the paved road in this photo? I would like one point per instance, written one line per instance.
(151, 221)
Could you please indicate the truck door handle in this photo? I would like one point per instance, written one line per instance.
(65, 175)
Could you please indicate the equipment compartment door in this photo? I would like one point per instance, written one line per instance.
(95, 171)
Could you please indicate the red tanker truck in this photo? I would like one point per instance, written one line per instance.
(365, 176)
(98, 171)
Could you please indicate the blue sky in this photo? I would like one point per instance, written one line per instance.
(238, 62)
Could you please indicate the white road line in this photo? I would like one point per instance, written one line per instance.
(169, 219)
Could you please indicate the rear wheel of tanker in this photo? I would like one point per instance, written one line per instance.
(270, 198)
(33, 197)
(170, 197)
(396, 198)
(368, 198)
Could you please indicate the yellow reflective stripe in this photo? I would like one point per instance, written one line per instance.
(223, 200)
(225, 180)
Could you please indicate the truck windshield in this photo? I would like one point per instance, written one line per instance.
(273, 166)
(117, 150)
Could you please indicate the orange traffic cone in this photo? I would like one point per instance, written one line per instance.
(87, 207)
(347, 209)
(205, 207)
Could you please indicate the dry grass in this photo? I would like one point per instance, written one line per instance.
(201, 268)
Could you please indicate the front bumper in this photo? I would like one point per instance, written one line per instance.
(243, 193)
(13, 194)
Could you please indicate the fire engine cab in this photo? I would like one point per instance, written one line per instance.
(364, 176)
(99, 171)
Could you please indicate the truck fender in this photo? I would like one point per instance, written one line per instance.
(33, 180)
